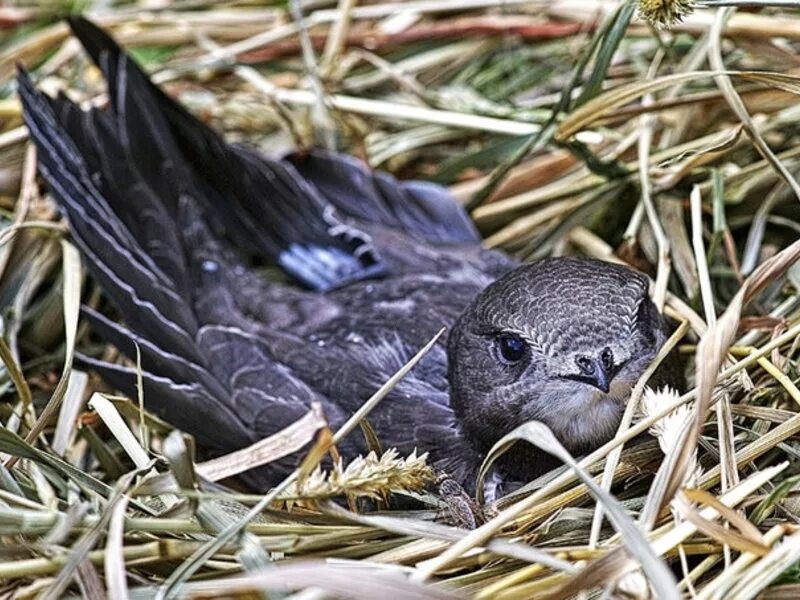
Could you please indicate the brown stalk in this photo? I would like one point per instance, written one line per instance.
(368, 38)
(712, 351)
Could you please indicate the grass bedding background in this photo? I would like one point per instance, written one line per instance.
(662, 134)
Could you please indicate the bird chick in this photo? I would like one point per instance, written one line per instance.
(172, 221)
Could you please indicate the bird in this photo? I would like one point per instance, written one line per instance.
(177, 226)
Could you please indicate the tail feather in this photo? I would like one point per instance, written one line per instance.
(263, 204)
(214, 423)
(138, 172)
(154, 359)
(145, 293)
(189, 373)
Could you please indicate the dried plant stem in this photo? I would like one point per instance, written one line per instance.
(645, 141)
(322, 123)
(752, 451)
(700, 257)
(71, 297)
(627, 418)
(157, 551)
(10, 232)
(724, 421)
(394, 111)
(387, 9)
(735, 101)
(718, 587)
(337, 37)
(781, 378)
(767, 568)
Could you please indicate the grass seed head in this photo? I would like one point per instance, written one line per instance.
(663, 14)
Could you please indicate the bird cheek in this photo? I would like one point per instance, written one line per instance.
(634, 368)
(620, 388)
(533, 398)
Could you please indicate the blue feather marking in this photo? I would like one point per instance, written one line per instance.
(325, 267)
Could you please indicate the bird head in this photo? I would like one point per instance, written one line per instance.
(562, 341)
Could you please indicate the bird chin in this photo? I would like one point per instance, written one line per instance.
(586, 417)
(618, 393)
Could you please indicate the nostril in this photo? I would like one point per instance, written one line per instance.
(607, 358)
(584, 364)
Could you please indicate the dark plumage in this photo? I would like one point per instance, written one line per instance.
(169, 218)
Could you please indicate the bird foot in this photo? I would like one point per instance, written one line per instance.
(461, 509)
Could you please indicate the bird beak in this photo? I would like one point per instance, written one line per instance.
(599, 378)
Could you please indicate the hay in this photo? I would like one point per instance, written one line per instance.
(564, 126)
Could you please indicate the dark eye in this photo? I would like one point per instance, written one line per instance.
(607, 358)
(512, 348)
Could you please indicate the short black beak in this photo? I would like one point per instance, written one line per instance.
(599, 378)
(594, 373)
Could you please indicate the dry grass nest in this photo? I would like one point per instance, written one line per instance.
(564, 126)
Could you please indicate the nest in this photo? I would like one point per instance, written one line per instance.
(566, 126)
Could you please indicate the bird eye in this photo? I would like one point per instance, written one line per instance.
(512, 348)
(607, 357)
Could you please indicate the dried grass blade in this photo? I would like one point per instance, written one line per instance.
(114, 560)
(70, 407)
(394, 111)
(612, 38)
(341, 578)
(539, 435)
(337, 37)
(72, 277)
(285, 442)
(724, 421)
(89, 581)
(16, 375)
(782, 378)
(717, 587)
(734, 518)
(647, 125)
(755, 235)
(87, 541)
(735, 101)
(119, 429)
(757, 448)
(701, 261)
(11, 443)
(437, 531)
(606, 103)
(718, 532)
(713, 349)
(763, 572)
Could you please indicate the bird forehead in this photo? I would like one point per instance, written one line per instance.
(561, 305)
(564, 305)
(572, 333)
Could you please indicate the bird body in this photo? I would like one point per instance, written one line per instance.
(171, 220)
